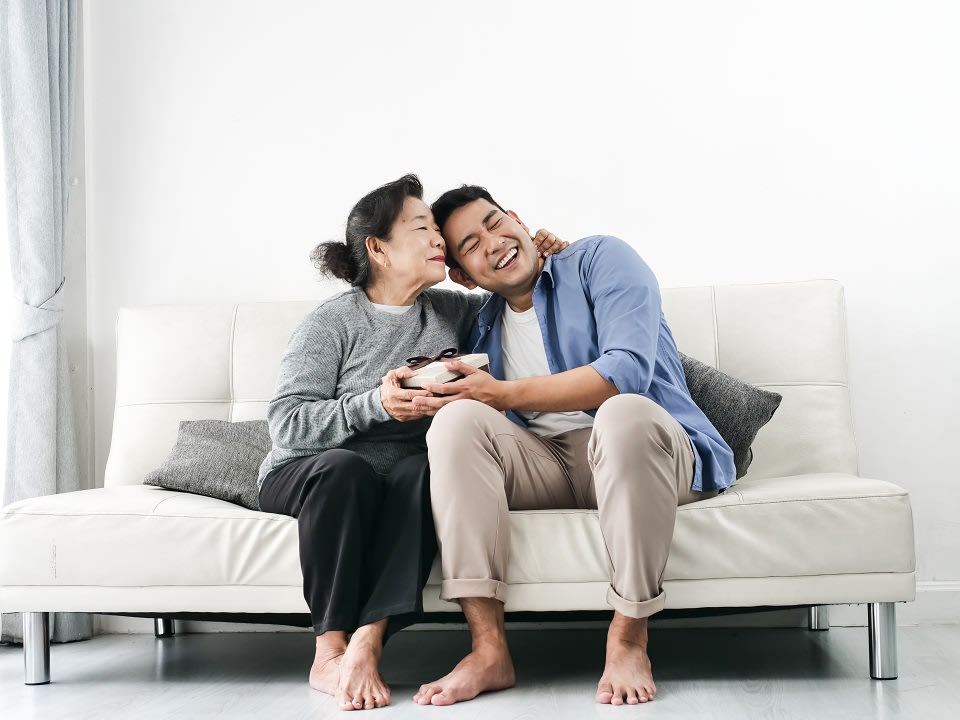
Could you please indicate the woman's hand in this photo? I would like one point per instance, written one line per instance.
(398, 401)
(474, 385)
(548, 244)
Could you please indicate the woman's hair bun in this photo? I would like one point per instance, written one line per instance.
(334, 260)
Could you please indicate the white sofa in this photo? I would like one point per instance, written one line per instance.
(801, 529)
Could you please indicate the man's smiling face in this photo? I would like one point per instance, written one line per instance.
(493, 247)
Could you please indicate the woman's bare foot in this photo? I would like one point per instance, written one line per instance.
(628, 674)
(361, 685)
(480, 671)
(325, 671)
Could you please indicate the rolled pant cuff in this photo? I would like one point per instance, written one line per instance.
(642, 609)
(480, 587)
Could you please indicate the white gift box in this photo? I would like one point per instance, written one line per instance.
(437, 372)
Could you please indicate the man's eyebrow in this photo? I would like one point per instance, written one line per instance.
(486, 218)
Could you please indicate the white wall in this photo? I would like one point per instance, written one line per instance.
(729, 142)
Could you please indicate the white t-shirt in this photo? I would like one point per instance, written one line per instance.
(523, 357)
(392, 309)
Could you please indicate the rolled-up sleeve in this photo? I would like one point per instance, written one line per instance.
(626, 299)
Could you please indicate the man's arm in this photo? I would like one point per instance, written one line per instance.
(626, 304)
(579, 389)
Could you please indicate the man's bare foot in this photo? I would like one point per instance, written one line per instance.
(361, 685)
(628, 675)
(325, 671)
(480, 671)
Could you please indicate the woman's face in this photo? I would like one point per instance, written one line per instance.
(415, 252)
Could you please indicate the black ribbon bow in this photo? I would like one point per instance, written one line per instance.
(415, 363)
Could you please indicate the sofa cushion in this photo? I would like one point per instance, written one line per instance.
(111, 550)
(736, 409)
(216, 458)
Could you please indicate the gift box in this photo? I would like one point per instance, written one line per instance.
(434, 371)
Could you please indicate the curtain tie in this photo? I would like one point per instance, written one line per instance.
(30, 319)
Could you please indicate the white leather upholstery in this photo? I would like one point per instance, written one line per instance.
(801, 528)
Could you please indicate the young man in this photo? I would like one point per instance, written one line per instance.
(598, 416)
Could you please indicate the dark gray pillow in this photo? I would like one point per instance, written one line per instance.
(216, 458)
(736, 409)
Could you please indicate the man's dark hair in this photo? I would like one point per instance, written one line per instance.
(374, 214)
(445, 205)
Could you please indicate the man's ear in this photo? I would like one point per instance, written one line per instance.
(461, 278)
(516, 217)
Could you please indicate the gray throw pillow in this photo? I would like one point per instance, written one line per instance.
(736, 409)
(216, 458)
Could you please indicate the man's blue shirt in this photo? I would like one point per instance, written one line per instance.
(598, 304)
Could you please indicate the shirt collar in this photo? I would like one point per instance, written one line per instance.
(547, 274)
(490, 310)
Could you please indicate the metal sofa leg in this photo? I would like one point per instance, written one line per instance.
(818, 617)
(36, 648)
(882, 631)
(164, 627)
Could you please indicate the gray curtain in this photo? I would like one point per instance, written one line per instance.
(38, 46)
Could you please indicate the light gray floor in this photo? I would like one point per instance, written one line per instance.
(701, 673)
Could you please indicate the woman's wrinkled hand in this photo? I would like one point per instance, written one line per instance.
(548, 244)
(398, 401)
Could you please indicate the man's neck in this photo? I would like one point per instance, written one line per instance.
(523, 300)
(520, 304)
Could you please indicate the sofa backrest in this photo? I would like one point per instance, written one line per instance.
(790, 338)
(220, 361)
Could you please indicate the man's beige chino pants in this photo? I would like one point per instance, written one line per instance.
(635, 466)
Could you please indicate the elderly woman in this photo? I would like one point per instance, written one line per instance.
(349, 453)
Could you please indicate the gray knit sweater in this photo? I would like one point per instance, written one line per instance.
(328, 389)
